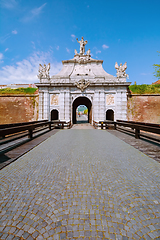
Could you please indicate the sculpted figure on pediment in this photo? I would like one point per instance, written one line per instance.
(44, 71)
(82, 45)
(121, 70)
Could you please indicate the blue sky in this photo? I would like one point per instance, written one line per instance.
(43, 31)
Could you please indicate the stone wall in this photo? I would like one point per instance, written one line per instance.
(144, 108)
(18, 108)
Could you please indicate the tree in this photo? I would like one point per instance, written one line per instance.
(157, 70)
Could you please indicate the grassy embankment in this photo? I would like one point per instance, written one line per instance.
(145, 89)
(24, 91)
(135, 89)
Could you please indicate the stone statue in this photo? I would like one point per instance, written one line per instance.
(44, 71)
(75, 52)
(88, 52)
(82, 45)
(121, 70)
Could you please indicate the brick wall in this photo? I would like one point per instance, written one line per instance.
(18, 108)
(144, 108)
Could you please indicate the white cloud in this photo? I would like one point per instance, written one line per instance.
(67, 49)
(145, 74)
(1, 57)
(14, 32)
(104, 46)
(73, 37)
(9, 4)
(33, 13)
(4, 38)
(98, 51)
(6, 49)
(57, 47)
(26, 71)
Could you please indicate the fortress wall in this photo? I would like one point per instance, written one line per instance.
(18, 108)
(144, 108)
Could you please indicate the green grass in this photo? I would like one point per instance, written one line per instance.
(28, 90)
(145, 89)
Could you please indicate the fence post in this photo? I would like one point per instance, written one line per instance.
(101, 125)
(115, 125)
(49, 125)
(30, 133)
(62, 125)
(137, 133)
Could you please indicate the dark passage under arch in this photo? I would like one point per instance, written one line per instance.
(82, 101)
(110, 115)
(54, 114)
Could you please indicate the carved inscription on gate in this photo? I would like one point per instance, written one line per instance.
(110, 99)
(54, 99)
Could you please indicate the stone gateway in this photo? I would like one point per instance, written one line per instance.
(82, 81)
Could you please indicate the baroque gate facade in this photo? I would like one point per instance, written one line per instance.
(82, 81)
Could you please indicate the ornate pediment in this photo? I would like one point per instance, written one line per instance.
(82, 84)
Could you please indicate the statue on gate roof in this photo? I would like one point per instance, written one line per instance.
(82, 45)
(121, 70)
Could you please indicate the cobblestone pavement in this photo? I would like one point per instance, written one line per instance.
(81, 184)
(151, 149)
(83, 126)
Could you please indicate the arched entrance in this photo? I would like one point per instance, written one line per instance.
(54, 115)
(110, 115)
(82, 101)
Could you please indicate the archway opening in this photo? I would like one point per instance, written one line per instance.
(110, 115)
(82, 101)
(54, 114)
(81, 114)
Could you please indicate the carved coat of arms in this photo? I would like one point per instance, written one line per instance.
(82, 84)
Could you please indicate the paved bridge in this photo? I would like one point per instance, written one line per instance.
(81, 183)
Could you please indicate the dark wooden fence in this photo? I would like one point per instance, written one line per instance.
(14, 129)
(136, 126)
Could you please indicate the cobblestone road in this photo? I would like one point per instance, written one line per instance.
(81, 184)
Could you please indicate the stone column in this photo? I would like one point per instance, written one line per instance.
(95, 106)
(67, 105)
(102, 105)
(40, 105)
(124, 105)
(46, 105)
(61, 106)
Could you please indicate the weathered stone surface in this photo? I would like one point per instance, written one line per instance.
(144, 108)
(15, 109)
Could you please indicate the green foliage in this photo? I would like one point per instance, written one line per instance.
(28, 90)
(145, 89)
(157, 70)
(86, 111)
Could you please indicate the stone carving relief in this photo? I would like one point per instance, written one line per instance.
(110, 99)
(121, 70)
(54, 99)
(44, 71)
(82, 84)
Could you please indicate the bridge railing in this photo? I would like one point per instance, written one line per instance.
(13, 129)
(136, 126)
(95, 124)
